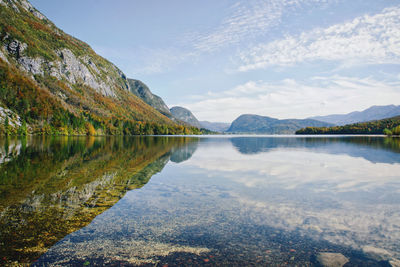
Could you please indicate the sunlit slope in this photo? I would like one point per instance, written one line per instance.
(56, 83)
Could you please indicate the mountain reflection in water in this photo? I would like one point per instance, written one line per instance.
(374, 149)
(50, 187)
(211, 201)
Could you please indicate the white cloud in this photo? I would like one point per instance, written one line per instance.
(282, 168)
(321, 177)
(247, 20)
(293, 99)
(367, 40)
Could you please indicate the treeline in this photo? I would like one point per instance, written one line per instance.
(393, 131)
(72, 125)
(372, 127)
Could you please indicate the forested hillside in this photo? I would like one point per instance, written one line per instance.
(53, 83)
(372, 127)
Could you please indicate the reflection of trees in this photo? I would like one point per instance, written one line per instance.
(374, 149)
(393, 143)
(185, 151)
(50, 187)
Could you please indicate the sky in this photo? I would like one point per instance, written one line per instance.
(221, 59)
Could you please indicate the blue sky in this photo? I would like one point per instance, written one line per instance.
(220, 59)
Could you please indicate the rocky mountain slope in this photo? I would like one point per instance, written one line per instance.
(58, 84)
(249, 123)
(185, 115)
(370, 114)
(142, 91)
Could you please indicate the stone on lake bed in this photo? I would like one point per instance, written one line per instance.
(394, 263)
(329, 259)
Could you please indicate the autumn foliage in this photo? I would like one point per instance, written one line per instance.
(372, 127)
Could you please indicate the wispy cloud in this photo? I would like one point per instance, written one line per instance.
(144, 61)
(367, 39)
(247, 20)
(296, 99)
(244, 22)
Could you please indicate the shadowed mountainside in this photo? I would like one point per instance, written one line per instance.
(185, 115)
(142, 90)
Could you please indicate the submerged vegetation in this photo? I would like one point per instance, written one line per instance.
(53, 186)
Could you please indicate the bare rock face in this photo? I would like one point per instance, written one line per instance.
(327, 259)
(14, 119)
(10, 3)
(24, 4)
(32, 65)
(15, 47)
(3, 56)
(74, 71)
(28, 7)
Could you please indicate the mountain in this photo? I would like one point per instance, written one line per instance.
(370, 114)
(142, 91)
(56, 84)
(215, 126)
(265, 125)
(185, 115)
(370, 127)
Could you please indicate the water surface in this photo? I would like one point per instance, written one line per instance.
(209, 200)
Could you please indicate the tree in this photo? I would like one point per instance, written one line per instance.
(90, 129)
(387, 132)
(7, 126)
(396, 130)
(23, 130)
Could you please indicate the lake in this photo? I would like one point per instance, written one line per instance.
(208, 200)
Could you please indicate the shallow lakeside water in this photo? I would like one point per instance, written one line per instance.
(230, 200)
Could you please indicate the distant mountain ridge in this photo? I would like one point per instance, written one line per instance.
(250, 123)
(185, 115)
(369, 114)
(215, 126)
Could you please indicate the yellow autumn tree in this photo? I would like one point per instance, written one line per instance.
(90, 130)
